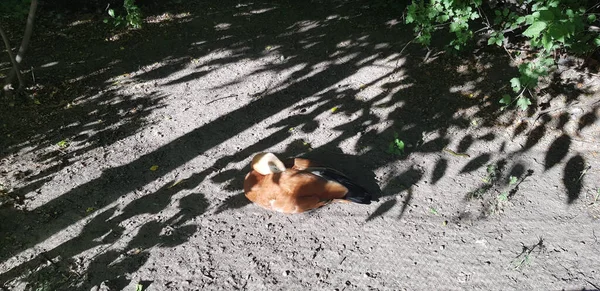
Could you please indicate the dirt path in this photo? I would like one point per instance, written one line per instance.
(130, 170)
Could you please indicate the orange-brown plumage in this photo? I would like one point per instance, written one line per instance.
(296, 185)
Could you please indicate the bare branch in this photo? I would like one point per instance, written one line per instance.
(12, 59)
(26, 38)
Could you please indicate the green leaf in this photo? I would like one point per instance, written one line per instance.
(529, 19)
(111, 12)
(547, 42)
(547, 62)
(513, 180)
(592, 18)
(139, 287)
(570, 13)
(515, 83)
(558, 32)
(396, 146)
(535, 29)
(520, 20)
(499, 42)
(505, 99)
(546, 15)
(503, 196)
(399, 144)
(454, 26)
(534, 42)
(62, 144)
(597, 41)
(492, 40)
(443, 18)
(523, 103)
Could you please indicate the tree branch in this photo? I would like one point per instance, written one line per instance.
(26, 38)
(12, 60)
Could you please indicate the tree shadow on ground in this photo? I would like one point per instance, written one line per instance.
(323, 44)
(63, 267)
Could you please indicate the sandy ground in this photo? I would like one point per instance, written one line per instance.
(147, 186)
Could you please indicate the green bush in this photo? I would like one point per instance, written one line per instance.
(545, 25)
(132, 18)
(14, 8)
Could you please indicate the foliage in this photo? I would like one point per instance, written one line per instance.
(14, 8)
(547, 26)
(132, 18)
(455, 14)
(63, 144)
(396, 146)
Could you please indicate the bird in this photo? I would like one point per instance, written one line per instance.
(298, 185)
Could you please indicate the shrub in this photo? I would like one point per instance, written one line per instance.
(547, 26)
(132, 18)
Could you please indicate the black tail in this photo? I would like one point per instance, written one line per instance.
(356, 193)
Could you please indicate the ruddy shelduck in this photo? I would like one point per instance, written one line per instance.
(298, 185)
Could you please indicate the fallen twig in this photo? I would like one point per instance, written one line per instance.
(221, 98)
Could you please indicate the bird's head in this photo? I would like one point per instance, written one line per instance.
(267, 163)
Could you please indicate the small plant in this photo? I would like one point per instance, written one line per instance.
(548, 26)
(396, 146)
(133, 17)
(63, 144)
(530, 73)
(455, 14)
(596, 196)
(492, 174)
(504, 195)
(523, 258)
(489, 181)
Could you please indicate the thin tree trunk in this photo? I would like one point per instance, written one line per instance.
(26, 38)
(12, 59)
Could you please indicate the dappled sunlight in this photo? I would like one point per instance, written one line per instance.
(153, 151)
(305, 26)
(256, 11)
(167, 17)
(222, 26)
